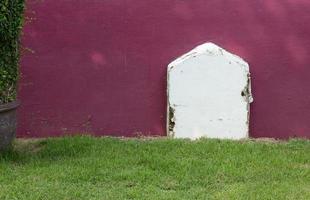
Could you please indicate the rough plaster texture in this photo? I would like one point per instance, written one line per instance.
(208, 94)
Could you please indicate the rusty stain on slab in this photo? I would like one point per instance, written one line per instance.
(209, 94)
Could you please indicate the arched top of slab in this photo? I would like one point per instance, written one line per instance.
(209, 49)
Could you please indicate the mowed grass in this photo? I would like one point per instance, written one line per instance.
(108, 168)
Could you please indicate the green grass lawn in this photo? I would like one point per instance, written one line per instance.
(106, 168)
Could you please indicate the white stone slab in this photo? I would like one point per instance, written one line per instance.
(208, 95)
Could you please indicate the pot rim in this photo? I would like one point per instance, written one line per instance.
(9, 106)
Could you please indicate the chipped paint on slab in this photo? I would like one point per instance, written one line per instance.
(209, 93)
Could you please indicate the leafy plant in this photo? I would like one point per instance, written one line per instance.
(11, 21)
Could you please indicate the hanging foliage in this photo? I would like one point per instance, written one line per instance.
(11, 20)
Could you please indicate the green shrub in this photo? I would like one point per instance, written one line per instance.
(11, 20)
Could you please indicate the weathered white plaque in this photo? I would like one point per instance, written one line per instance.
(209, 93)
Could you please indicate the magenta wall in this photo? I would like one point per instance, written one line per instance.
(100, 66)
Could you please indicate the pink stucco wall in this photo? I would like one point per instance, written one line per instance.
(100, 66)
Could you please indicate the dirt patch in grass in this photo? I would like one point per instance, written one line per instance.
(29, 145)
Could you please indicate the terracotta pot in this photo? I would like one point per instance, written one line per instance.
(7, 124)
